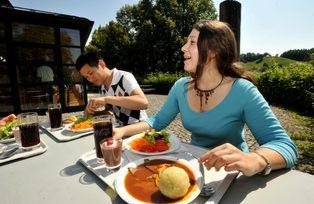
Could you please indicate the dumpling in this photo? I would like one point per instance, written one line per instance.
(174, 182)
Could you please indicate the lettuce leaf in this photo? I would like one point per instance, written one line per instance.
(6, 131)
(152, 135)
(82, 119)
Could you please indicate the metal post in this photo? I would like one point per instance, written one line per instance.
(230, 12)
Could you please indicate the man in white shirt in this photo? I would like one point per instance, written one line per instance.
(120, 89)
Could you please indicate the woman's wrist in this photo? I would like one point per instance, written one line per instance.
(260, 163)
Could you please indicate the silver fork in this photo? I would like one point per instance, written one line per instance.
(207, 189)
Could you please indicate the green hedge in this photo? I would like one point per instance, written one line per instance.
(291, 86)
(162, 82)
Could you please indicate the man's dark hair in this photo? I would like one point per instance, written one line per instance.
(90, 58)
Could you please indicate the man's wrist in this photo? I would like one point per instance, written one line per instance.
(107, 100)
(85, 112)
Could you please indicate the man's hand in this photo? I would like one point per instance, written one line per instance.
(93, 104)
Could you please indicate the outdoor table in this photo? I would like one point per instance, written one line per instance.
(56, 176)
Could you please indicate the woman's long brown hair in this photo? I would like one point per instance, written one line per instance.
(217, 37)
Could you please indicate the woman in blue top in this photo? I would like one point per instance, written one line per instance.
(216, 101)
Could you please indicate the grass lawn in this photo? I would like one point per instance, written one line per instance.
(303, 136)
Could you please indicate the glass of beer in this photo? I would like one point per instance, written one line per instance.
(102, 126)
(55, 116)
(29, 130)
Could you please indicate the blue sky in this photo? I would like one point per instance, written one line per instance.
(272, 26)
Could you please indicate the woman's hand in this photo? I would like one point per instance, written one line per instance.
(232, 159)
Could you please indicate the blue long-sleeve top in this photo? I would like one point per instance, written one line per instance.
(224, 123)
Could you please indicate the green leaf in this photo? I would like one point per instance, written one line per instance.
(152, 135)
(6, 131)
(82, 119)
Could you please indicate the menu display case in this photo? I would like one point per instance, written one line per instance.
(38, 51)
(6, 99)
(74, 82)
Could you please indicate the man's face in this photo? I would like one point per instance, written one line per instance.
(92, 74)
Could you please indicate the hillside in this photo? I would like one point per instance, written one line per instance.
(266, 62)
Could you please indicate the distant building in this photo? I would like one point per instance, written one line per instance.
(32, 39)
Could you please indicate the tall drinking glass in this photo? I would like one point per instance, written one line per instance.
(105, 110)
(111, 150)
(102, 126)
(29, 130)
(100, 111)
(55, 116)
(17, 135)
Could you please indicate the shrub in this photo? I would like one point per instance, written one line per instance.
(291, 86)
(162, 82)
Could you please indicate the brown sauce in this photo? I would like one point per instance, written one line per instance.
(145, 190)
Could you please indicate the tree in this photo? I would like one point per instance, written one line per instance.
(297, 54)
(251, 57)
(112, 42)
(148, 36)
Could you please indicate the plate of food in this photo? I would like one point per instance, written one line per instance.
(152, 143)
(6, 132)
(70, 119)
(158, 179)
(82, 124)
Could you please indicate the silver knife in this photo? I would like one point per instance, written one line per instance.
(9, 153)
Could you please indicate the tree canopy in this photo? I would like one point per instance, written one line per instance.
(298, 54)
(250, 57)
(148, 36)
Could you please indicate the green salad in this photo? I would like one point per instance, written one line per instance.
(82, 119)
(6, 131)
(152, 135)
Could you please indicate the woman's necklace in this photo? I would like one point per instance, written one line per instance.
(207, 93)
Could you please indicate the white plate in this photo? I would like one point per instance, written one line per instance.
(67, 127)
(9, 140)
(24, 154)
(175, 143)
(63, 134)
(2, 147)
(123, 193)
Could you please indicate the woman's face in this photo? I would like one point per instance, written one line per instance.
(190, 52)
